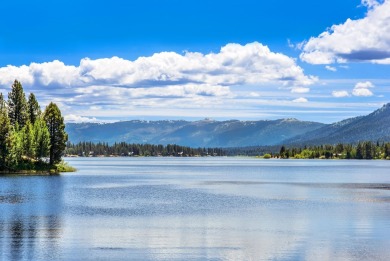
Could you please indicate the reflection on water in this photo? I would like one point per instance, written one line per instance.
(197, 209)
(30, 223)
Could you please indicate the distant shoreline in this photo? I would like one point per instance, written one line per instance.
(226, 156)
(29, 173)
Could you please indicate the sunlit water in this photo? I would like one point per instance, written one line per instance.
(199, 209)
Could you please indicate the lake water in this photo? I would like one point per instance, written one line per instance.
(199, 209)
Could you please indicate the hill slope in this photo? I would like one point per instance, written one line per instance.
(373, 127)
(234, 133)
(205, 133)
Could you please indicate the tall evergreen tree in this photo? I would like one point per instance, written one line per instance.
(5, 128)
(41, 139)
(359, 151)
(28, 144)
(58, 136)
(33, 109)
(15, 152)
(3, 105)
(17, 105)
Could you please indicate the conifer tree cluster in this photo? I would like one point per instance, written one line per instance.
(27, 136)
(90, 149)
(361, 150)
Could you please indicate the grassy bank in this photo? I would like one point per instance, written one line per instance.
(29, 167)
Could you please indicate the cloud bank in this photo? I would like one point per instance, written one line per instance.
(161, 83)
(361, 40)
(235, 64)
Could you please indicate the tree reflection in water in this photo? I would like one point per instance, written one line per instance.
(30, 220)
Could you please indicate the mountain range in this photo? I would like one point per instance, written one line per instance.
(235, 133)
(372, 127)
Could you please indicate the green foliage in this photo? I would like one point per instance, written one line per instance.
(3, 105)
(27, 136)
(58, 137)
(25, 140)
(363, 150)
(62, 166)
(17, 105)
(16, 149)
(41, 139)
(33, 108)
(5, 129)
(267, 156)
(125, 149)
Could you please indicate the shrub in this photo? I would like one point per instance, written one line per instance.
(267, 156)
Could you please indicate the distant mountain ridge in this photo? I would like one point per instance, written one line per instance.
(235, 133)
(372, 127)
(204, 133)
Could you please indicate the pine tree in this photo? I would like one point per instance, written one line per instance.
(15, 152)
(5, 128)
(359, 151)
(58, 137)
(33, 109)
(41, 139)
(3, 105)
(17, 105)
(27, 136)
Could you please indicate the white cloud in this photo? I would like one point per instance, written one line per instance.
(165, 83)
(340, 94)
(78, 119)
(300, 100)
(331, 68)
(361, 89)
(235, 64)
(300, 90)
(361, 85)
(366, 39)
(362, 92)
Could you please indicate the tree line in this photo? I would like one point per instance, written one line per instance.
(29, 138)
(361, 150)
(91, 149)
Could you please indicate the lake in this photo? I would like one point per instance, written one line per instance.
(199, 209)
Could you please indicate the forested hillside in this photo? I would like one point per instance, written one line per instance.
(373, 127)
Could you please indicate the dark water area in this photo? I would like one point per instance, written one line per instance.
(199, 209)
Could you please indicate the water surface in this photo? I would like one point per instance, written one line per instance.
(199, 209)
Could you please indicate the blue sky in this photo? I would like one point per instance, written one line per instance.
(119, 60)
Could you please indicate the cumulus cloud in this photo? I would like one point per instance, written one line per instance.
(235, 64)
(362, 89)
(340, 94)
(161, 83)
(362, 92)
(363, 40)
(361, 85)
(300, 100)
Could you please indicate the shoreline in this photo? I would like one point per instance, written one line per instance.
(236, 156)
(29, 173)
(51, 170)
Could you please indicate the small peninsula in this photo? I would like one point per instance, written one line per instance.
(31, 141)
